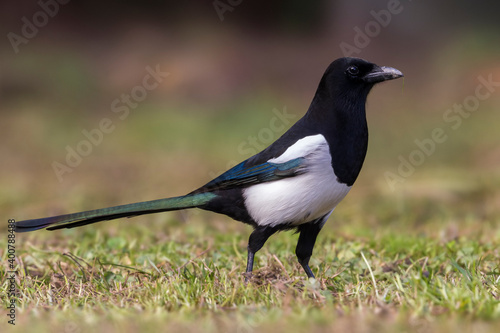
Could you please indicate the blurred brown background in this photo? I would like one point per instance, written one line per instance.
(230, 64)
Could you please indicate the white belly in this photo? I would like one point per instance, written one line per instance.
(302, 198)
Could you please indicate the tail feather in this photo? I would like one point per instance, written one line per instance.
(111, 213)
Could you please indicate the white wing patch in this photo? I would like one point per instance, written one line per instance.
(302, 198)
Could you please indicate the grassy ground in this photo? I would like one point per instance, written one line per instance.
(421, 258)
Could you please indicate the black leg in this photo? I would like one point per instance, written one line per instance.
(308, 233)
(257, 239)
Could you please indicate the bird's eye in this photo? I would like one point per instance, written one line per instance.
(353, 70)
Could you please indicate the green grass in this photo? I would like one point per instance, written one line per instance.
(424, 258)
(181, 275)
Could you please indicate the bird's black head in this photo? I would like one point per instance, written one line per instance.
(356, 76)
(337, 111)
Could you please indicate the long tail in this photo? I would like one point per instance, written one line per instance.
(111, 213)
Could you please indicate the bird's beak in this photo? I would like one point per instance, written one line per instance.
(382, 73)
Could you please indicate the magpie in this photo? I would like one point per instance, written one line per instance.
(295, 183)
